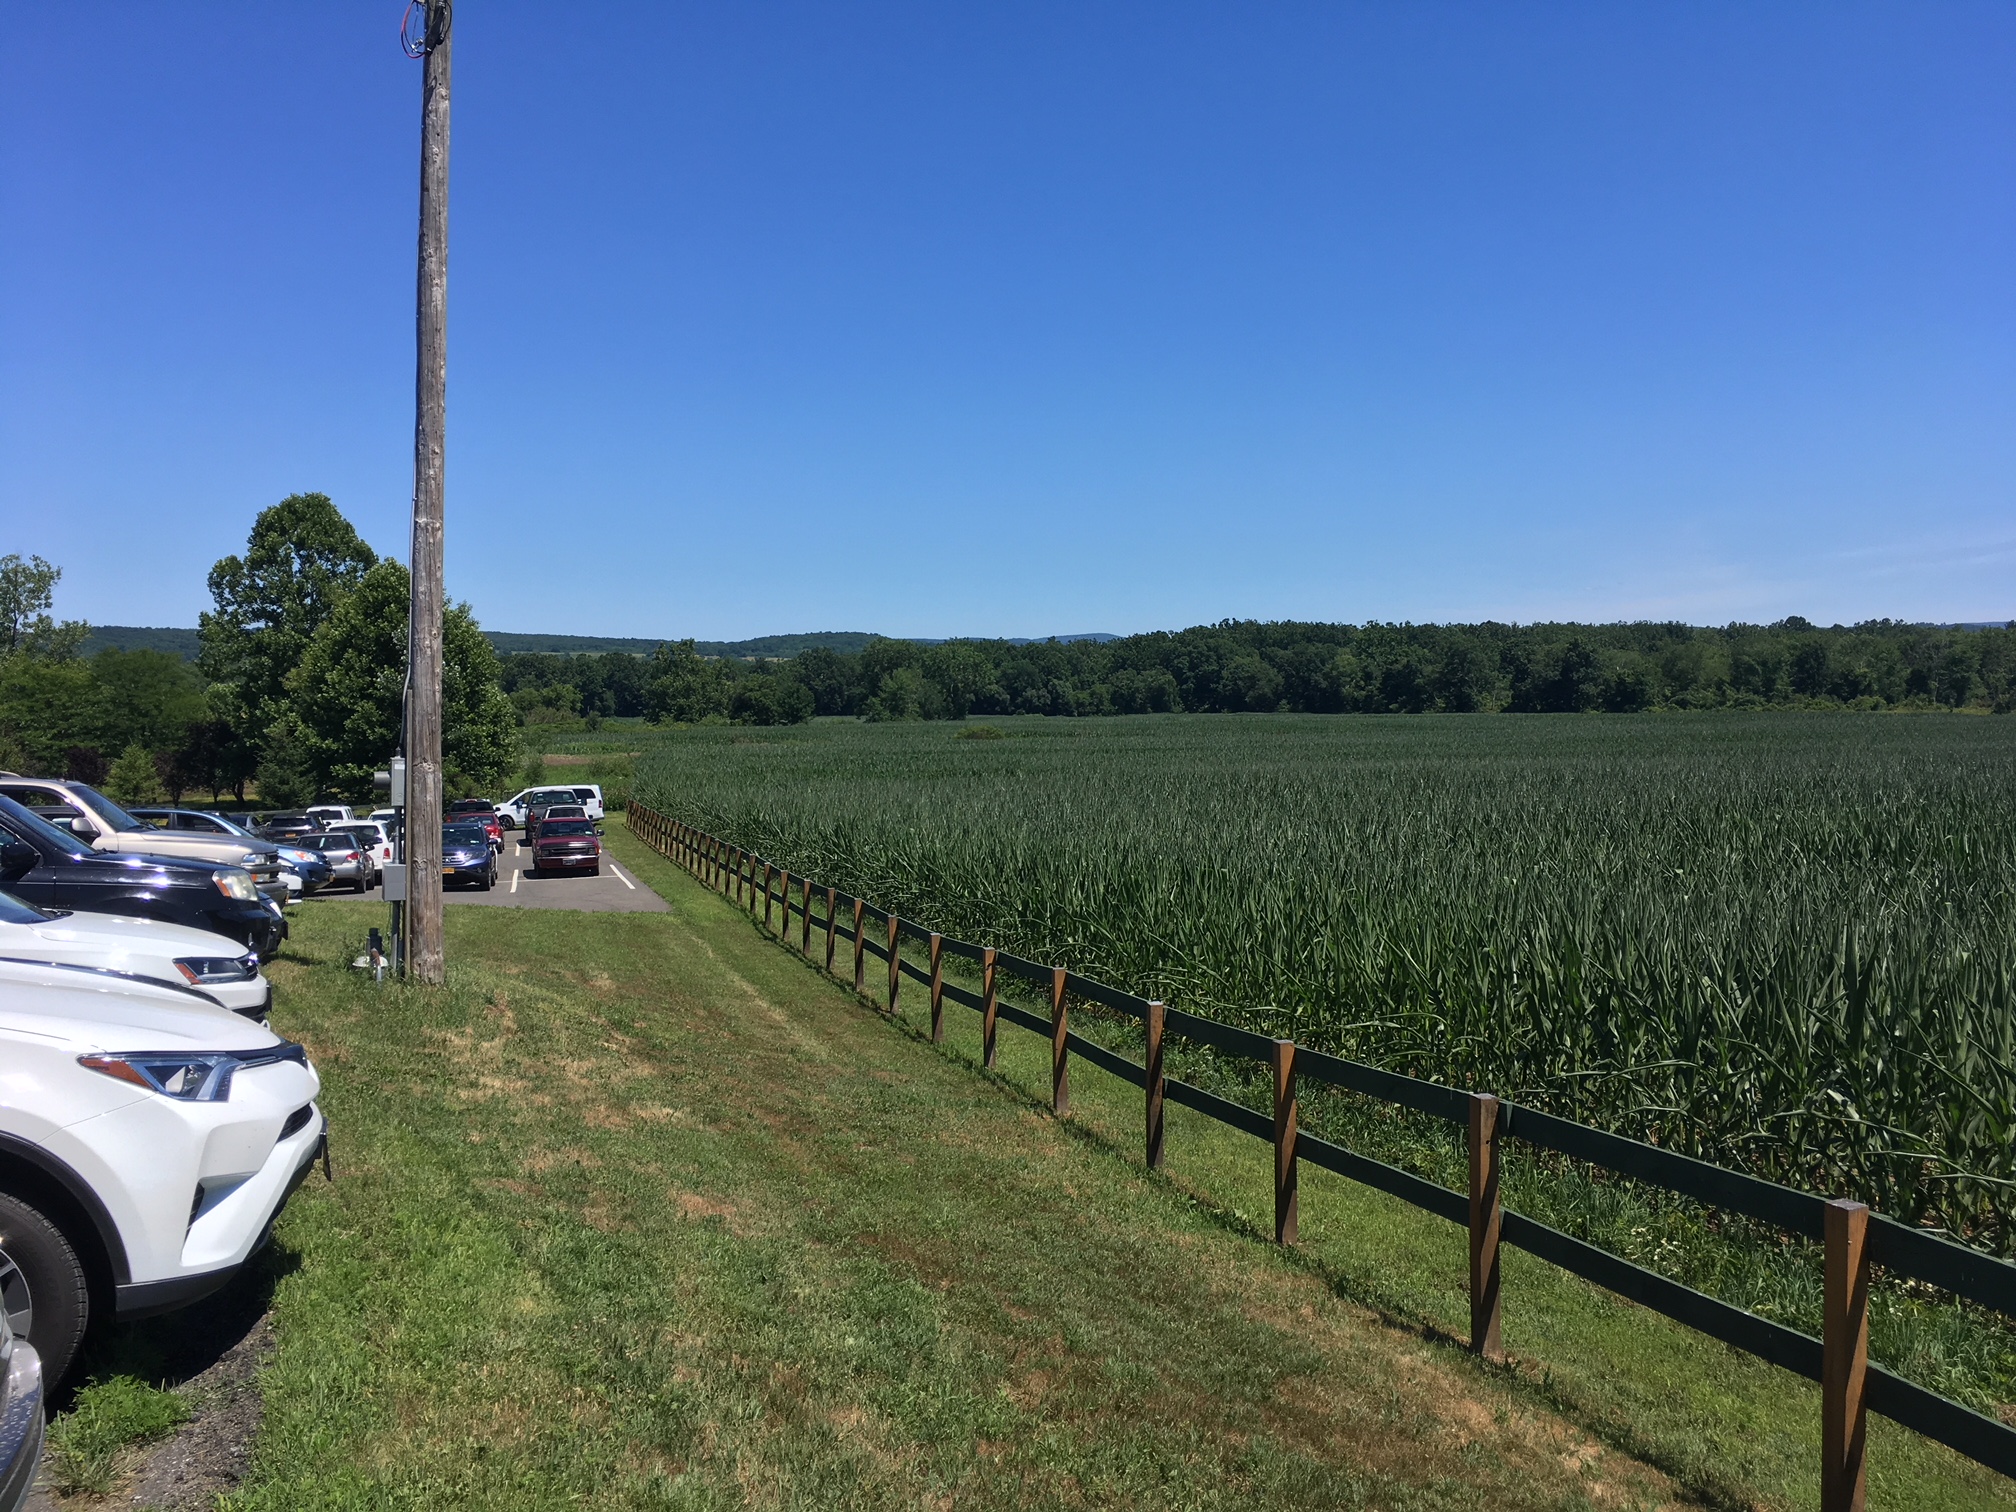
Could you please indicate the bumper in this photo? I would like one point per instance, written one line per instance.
(20, 1426)
(565, 860)
(294, 1158)
(247, 1003)
(466, 871)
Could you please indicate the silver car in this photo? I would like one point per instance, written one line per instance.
(20, 1403)
(347, 857)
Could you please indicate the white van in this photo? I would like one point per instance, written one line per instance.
(512, 810)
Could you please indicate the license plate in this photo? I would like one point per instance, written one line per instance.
(447, 871)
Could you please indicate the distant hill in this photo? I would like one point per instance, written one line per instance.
(183, 643)
(175, 642)
(845, 642)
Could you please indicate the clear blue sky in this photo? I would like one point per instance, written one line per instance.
(1018, 319)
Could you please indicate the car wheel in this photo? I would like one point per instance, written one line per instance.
(42, 1286)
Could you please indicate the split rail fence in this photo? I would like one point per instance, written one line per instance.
(1855, 1239)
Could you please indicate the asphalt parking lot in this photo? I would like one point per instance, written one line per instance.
(613, 890)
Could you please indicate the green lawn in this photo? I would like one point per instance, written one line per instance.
(641, 1212)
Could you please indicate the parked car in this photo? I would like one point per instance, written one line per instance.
(93, 817)
(535, 820)
(383, 816)
(52, 867)
(466, 856)
(20, 1412)
(277, 827)
(518, 808)
(301, 868)
(347, 856)
(479, 811)
(302, 861)
(218, 967)
(567, 845)
(326, 814)
(377, 836)
(149, 1142)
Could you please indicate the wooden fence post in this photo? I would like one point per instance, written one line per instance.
(769, 877)
(745, 879)
(937, 988)
(860, 947)
(1152, 1022)
(1844, 1359)
(1060, 1057)
(805, 917)
(895, 961)
(1287, 1201)
(832, 923)
(784, 906)
(1484, 1224)
(987, 1007)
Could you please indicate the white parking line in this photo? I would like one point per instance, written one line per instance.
(621, 878)
(514, 879)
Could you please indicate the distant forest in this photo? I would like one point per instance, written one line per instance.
(1288, 667)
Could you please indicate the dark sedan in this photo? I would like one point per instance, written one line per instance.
(466, 856)
(566, 845)
(52, 867)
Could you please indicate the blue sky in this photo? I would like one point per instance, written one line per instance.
(1036, 318)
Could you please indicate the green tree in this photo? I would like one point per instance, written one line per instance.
(45, 709)
(134, 778)
(148, 697)
(301, 561)
(685, 687)
(27, 593)
(347, 693)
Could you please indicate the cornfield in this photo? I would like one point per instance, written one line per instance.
(1781, 942)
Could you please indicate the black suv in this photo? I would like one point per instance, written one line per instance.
(52, 867)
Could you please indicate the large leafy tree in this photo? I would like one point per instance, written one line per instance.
(302, 560)
(27, 593)
(346, 694)
(45, 690)
(148, 698)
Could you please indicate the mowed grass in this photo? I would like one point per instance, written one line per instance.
(640, 1213)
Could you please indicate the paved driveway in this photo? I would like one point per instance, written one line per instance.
(614, 890)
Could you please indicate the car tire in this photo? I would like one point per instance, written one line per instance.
(40, 1274)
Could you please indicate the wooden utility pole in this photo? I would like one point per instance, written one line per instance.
(423, 709)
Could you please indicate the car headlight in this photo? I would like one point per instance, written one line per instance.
(236, 882)
(188, 1076)
(302, 855)
(198, 970)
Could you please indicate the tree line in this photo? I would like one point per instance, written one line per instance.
(1289, 667)
(299, 686)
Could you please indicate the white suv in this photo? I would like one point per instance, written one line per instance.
(148, 1139)
(218, 967)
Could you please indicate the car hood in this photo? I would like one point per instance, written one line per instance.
(119, 1016)
(117, 934)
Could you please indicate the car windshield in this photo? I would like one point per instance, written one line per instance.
(14, 910)
(105, 808)
(32, 827)
(289, 821)
(559, 795)
(567, 827)
(329, 842)
(465, 834)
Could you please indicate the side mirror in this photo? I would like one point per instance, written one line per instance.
(17, 857)
(84, 828)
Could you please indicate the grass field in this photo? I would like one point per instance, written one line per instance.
(639, 1212)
